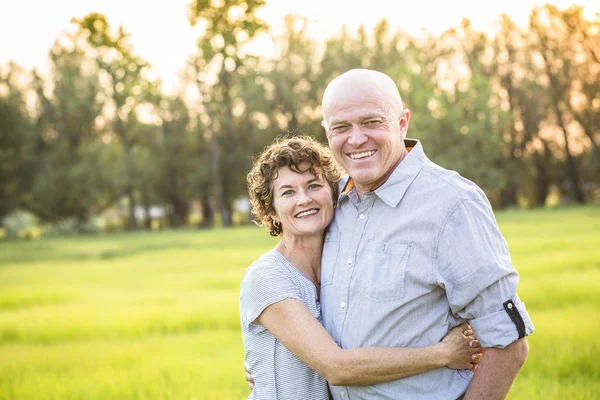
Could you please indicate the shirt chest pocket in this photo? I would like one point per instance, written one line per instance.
(382, 271)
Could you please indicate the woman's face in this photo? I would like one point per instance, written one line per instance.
(303, 202)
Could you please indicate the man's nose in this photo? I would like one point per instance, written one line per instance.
(357, 137)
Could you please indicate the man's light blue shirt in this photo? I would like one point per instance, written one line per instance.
(410, 261)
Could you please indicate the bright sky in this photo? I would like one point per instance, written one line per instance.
(161, 33)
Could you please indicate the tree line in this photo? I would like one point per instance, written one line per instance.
(516, 110)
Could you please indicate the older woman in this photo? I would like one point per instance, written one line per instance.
(293, 189)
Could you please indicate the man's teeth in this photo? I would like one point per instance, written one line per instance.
(362, 155)
(305, 213)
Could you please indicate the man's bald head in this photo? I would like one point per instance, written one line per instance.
(363, 84)
(365, 125)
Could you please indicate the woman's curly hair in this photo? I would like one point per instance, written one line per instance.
(287, 152)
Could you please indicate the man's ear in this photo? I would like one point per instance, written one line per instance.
(403, 122)
(324, 125)
(404, 119)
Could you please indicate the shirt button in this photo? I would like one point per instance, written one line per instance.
(361, 216)
(343, 305)
(343, 393)
(327, 236)
(349, 261)
(509, 305)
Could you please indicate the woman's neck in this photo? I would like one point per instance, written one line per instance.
(304, 253)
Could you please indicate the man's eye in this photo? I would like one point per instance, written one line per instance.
(339, 128)
(373, 122)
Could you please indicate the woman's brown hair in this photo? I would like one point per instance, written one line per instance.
(288, 152)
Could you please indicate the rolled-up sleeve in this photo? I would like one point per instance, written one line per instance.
(474, 267)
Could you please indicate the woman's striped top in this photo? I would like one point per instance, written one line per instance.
(277, 373)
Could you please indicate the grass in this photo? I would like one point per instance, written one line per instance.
(155, 315)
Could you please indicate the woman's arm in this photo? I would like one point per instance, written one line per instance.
(294, 326)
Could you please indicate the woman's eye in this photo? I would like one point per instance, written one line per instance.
(287, 192)
(314, 186)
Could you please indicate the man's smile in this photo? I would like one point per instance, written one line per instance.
(364, 154)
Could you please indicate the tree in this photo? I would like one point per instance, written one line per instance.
(529, 152)
(72, 180)
(584, 104)
(559, 56)
(470, 115)
(292, 92)
(19, 145)
(177, 158)
(229, 25)
(129, 86)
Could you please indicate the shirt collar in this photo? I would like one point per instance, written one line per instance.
(392, 191)
(345, 185)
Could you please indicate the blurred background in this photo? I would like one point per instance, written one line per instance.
(127, 128)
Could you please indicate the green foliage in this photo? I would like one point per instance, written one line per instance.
(155, 315)
(128, 88)
(18, 142)
(229, 24)
(515, 111)
(22, 224)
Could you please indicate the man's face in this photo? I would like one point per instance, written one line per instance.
(366, 138)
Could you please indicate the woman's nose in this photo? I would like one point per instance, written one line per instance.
(304, 197)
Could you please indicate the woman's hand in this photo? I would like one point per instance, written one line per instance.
(248, 376)
(464, 350)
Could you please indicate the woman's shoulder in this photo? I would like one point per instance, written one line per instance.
(269, 265)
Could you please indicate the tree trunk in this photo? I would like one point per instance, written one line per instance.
(572, 171)
(542, 178)
(293, 124)
(179, 211)
(555, 87)
(147, 206)
(120, 131)
(208, 214)
(179, 207)
(508, 196)
(216, 169)
(227, 128)
(131, 222)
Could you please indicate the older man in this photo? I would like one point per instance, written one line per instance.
(412, 250)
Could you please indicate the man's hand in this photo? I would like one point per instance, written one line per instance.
(249, 378)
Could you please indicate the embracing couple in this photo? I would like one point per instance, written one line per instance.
(387, 282)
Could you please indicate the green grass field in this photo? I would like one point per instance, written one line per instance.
(155, 315)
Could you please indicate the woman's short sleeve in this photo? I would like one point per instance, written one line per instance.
(265, 283)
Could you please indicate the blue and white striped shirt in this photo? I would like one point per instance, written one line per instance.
(277, 373)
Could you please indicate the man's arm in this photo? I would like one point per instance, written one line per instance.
(475, 268)
(497, 371)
